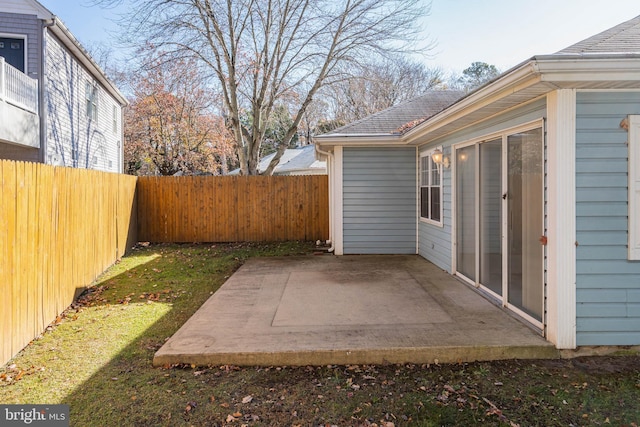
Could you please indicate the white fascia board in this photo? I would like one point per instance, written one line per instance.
(516, 80)
(69, 40)
(590, 68)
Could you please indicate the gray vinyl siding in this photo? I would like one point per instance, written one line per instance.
(379, 200)
(29, 25)
(435, 242)
(608, 285)
(73, 139)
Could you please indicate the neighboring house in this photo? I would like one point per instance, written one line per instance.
(294, 161)
(56, 104)
(527, 189)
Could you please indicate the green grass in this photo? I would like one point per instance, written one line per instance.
(98, 359)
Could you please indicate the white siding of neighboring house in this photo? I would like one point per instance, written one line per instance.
(74, 139)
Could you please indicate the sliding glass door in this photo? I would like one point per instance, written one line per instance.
(500, 218)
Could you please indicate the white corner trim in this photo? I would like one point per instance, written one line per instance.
(417, 187)
(338, 208)
(561, 218)
(634, 187)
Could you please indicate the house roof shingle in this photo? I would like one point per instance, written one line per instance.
(394, 120)
(623, 38)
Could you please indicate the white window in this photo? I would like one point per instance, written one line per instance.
(634, 188)
(430, 189)
(91, 97)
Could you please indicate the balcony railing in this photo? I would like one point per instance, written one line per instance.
(17, 88)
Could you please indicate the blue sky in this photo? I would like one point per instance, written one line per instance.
(500, 32)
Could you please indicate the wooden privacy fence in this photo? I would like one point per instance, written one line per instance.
(233, 209)
(59, 229)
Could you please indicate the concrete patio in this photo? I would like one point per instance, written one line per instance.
(318, 310)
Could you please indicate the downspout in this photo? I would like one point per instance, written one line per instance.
(42, 107)
(331, 221)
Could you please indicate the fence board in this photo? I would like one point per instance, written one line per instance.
(59, 229)
(233, 209)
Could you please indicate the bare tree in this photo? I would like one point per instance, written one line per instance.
(379, 86)
(263, 53)
(315, 114)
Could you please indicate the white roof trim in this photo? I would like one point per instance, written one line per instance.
(369, 140)
(590, 68)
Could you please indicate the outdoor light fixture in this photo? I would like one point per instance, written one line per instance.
(439, 158)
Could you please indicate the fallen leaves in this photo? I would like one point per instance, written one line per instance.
(166, 295)
(13, 373)
(238, 416)
(494, 410)
(190, 407)
(90, 297)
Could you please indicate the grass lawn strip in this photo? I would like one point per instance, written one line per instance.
(97, 358)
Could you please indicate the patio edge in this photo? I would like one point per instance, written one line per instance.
(430, 355)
